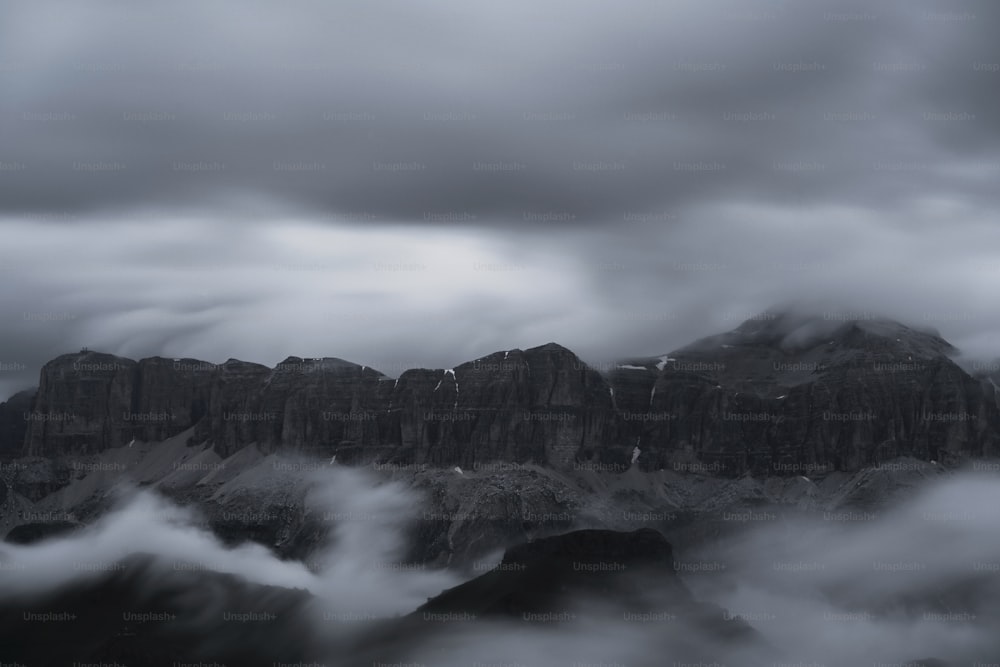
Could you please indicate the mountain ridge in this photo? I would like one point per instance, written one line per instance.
(779, 390)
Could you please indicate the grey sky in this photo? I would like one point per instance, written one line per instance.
(421, 183)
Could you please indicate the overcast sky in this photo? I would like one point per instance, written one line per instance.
(421, 183)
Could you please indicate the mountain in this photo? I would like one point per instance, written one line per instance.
(143, 610)
(601, 579)
(784, 393)
(788, 393)
(543, 405)
(549, 575)
(13, 425)
(788, 417)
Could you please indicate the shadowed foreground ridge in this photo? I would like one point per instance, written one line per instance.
(567, 583)
(147, 613)
(545, 575)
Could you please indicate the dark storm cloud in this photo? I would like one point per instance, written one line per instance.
(420, 183)
(437, 109)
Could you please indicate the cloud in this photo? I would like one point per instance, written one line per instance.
(354, 572)
(498, 115)
(631, 176)
(396, 297)
(875, 588)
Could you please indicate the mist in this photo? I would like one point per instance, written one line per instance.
(910, 582)
(907, 583)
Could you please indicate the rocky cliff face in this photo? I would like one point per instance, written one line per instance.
(13, 425)
(170, 395)
(987, 373)
(780, 394)
(89, 402)
(84, 405)
(542, 405)
(785, 394)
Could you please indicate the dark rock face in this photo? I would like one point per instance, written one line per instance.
(170, 396)
(790, 395)
(83, 405)
(987, 373)
(782, 394)
(89, 402)
(13, 425)
(577, 580)
(544, 576)
(541, 405)
(233, 414)
(469, 516)
(147, 613)
(30, 533)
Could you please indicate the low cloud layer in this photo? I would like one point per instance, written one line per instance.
(353, 573)
(440, 108)
(394, 298)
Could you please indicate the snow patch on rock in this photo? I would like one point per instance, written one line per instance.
(663, 362)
